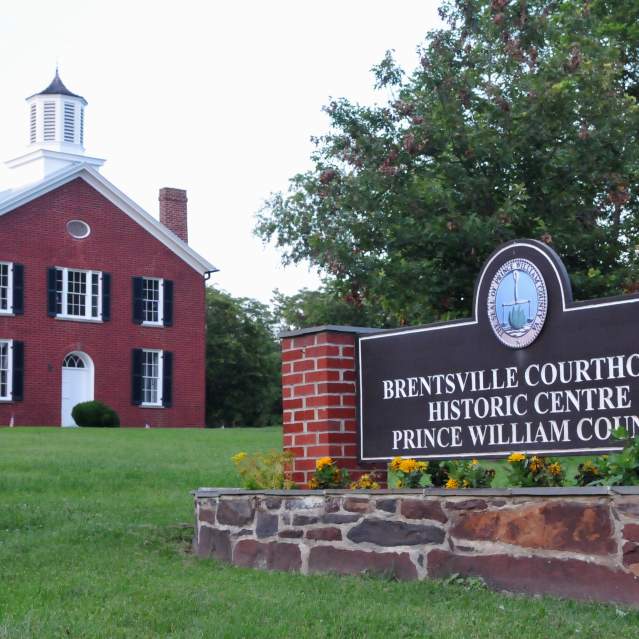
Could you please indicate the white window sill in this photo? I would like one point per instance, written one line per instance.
(9, 313)
(78, 318)
(151, 406)
(6, 400)
(153, 324)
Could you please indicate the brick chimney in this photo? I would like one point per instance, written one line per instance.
(173, 211)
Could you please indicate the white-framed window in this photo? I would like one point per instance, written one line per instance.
(6, 369)
(152, 361)
(152, 301)
(78, 294)
(6, 287)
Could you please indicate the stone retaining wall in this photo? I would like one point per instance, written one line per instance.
(577, 543)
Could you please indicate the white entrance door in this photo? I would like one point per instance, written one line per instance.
(77, 384)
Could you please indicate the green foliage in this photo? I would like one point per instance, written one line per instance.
(408, 473)
(521, 120)
(243, 386)
(316, 308)
(534, 471)
(95, 414)
(329, 475)
(438, 472)
(267, 470)
(470, 474)
(620, 469)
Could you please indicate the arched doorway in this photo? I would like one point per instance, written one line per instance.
(77, 383)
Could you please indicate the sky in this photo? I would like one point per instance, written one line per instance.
(218, 98)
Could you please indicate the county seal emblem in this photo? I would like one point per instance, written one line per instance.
(517, 303)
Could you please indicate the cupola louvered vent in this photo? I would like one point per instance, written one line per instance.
(32, 124)
(81, 125)
(69, 122)
(49, 121)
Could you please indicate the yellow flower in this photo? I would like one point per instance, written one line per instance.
(423, 466)
(536, 464)
(395, 462)
(516, 457)
(322, 462)
(408, 465)
(312, 484)
(238, 457)
(466, 483)
(474, 462)
(555, 469)
(452, 483)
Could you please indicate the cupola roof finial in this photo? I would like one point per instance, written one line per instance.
(56, 87)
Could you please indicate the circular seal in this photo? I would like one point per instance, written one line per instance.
(517, 303)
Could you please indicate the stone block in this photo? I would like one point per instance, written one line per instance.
(337, 518)
(290, 533)
(468, 504)
(207, 514)
(324, 534)
(562, 525)
(214, 543)
(422, 509)
(266, 525)
(273, 503)
(304, 503)
(536, 575)
(387, 505)
(353, 562)
(383, 532)
(304, 520)
(356, 504)
(267, 555)
(628, 506)
(631, 532)
(235, 512)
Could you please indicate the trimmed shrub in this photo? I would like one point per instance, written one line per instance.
(95, 414)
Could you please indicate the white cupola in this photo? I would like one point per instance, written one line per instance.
(55, 134)
(56, 118)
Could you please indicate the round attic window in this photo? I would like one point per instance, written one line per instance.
(78, 229)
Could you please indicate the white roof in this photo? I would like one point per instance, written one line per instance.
(13, 198)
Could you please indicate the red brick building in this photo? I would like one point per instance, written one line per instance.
(98, 300)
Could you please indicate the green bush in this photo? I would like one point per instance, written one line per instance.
(95, 414)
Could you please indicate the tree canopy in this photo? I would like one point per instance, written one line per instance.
(242, 363)
(521, 120)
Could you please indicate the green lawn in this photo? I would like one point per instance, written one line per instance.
(93, 544)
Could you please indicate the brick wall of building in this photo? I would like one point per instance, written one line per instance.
(35, 235)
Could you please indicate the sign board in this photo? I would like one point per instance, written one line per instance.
(531, 371)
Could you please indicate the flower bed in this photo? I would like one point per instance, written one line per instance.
(575, 542)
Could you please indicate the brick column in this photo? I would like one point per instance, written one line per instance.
(320, 398)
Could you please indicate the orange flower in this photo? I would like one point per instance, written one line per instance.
(322, 462)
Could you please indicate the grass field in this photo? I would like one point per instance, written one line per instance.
(93, 544)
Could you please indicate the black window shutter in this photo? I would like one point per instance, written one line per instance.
(52, 293)
(18, 371)
(18, 289)
(167, 379)
(138, 300)
(167, 311)
(106, 296)
(136, 377)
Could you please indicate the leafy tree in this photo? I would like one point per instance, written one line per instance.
(520, 121)
(242, 363)
(315, 308)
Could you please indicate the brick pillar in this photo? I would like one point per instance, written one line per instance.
(320, 397)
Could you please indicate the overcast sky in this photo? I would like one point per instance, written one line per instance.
(216, 98)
